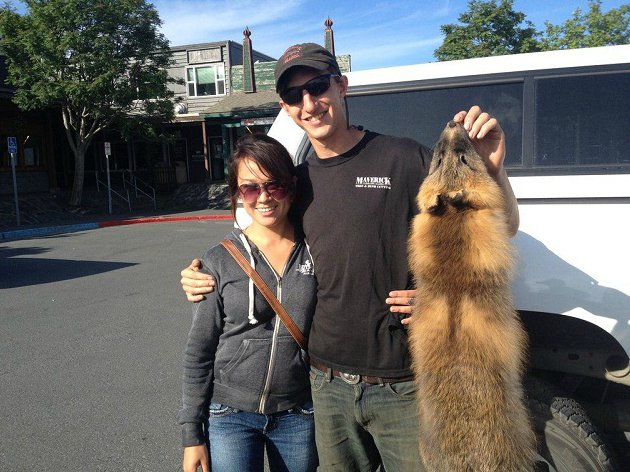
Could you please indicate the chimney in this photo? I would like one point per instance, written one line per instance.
(329, 40)
(249, 84)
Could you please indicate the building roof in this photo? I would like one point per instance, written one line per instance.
(245, 104)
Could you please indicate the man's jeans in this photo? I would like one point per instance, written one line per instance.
(238, 439)
(358, 426)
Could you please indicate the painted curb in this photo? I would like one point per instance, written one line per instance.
(162, 219)
(50, 230)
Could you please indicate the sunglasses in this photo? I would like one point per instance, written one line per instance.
(251, 192)
(315, 87)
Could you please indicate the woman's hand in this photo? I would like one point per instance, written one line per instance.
(195, 456)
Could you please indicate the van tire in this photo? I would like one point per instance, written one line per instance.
(566, 437)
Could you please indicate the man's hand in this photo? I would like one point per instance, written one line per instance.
(401, 301)
(487, 137)
(195, 283)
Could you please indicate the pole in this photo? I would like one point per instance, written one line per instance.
(15, 192)
(109, 186)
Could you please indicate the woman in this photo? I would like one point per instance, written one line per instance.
(245, 381)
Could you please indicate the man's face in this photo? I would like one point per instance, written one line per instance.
(321, 116)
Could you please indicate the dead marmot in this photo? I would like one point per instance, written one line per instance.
(467, 342)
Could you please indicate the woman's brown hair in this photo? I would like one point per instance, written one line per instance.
(271, 157)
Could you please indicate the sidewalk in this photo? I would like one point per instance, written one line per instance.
(21, 232)
(44, 215)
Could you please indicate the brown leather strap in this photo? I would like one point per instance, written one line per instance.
(266, 292)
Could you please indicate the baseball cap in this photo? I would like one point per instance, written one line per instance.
(307, 55)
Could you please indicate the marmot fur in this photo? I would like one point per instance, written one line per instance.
(467, 342)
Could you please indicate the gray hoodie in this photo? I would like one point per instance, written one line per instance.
(239, 353)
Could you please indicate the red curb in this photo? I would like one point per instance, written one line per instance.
(162, 219)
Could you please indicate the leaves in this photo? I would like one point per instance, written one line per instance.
(491, 28)
(590, 29)
(100, 61)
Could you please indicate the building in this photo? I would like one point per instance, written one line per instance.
(196, 149)
(254, 104)
(35, 133)
(224, 89)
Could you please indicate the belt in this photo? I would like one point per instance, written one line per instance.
(356, 378)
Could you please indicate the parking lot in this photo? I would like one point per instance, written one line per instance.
(92, 329)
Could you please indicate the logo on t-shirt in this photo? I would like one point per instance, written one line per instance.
(374, 182)
(306, 268)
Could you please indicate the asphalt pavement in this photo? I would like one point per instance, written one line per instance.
(92, 328)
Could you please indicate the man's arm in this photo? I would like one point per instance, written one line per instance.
(489, 141)
(195, 283)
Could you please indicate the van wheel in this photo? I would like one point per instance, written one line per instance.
(567, 439)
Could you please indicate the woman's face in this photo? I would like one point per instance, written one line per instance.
(272, 204)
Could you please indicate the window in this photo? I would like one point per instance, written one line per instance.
(422, 114)
(32, 151)
(205, 80)
(580, 120)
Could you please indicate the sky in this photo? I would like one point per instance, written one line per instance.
(374, 33)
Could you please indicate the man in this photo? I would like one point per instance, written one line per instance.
(357, 198)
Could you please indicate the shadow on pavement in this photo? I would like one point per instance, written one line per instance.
(26, 271)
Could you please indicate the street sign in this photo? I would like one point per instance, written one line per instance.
(12, 144)
(108, 148)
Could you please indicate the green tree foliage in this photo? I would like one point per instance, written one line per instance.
(590, 29)
(100, 61)
(489, 28)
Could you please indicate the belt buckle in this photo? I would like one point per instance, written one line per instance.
(351, 379)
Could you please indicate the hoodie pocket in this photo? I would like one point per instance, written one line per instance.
(247, 367)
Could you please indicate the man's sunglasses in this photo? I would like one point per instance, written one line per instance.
(251, 192)
(315, 87)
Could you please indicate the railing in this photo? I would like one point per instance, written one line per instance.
(99, 182)
(131, 179)
(164, 178)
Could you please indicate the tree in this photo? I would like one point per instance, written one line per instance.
(591, 29)
(100, 61)
(490, 28)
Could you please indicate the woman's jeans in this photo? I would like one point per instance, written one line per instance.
(238, 440)
(360, 426)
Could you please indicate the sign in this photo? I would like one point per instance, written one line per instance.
(108, 148)
(205, 55)
(12, 144)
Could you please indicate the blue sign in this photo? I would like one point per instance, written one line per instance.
(12, 144)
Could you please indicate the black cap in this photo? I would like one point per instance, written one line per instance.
(307, 55)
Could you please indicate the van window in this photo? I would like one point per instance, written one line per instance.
(422, 114)
(580, 120)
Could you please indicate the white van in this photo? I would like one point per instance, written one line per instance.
(566, 116)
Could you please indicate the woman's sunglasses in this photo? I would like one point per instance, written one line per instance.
(251, 192)
(315, 87)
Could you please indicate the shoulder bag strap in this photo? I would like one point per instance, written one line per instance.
(266, 292)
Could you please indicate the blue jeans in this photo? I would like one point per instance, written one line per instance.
(238, 439)
(359, 426)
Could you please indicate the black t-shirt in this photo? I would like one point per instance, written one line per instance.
(356, 210)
